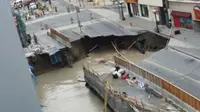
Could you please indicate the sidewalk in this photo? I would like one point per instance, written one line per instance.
(189, 37)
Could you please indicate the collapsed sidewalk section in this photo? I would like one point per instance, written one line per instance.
(122, 97)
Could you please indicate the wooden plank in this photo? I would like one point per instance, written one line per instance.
(178, 93)
(190, 100)
(185, 98)
(171, 89)
(63, 37)
(197, 104)
(181, 95)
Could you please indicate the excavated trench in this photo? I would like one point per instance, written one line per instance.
(81, 48)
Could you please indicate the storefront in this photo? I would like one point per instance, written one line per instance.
(185, 14)
(182, 19)
(146, 8)
(196, 10)
(132, 7)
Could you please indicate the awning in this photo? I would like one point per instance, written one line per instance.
(181, 14)
(130, 1)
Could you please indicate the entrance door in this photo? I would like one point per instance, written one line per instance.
(177, 22)
(129, 9)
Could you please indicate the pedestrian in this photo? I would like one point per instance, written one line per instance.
(117, 68)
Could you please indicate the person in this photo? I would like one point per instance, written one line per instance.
(116, 74)
(131, 81)
(125, 76)
(117, 67)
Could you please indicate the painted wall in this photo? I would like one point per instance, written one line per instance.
(17, 89)
(151, 2)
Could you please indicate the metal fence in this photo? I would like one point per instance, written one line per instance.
(174, 90)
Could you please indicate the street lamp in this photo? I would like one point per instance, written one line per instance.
(155, 11)
(120, 9)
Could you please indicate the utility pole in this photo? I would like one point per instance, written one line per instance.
(17, 89)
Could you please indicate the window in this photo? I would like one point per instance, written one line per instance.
(144, 10)
(186, 22)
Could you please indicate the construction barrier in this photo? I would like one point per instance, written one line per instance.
(63, 37)
(162, 83)
(59, 37)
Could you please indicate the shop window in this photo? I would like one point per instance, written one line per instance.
(186, 22)
(189, 23)
(144, 10)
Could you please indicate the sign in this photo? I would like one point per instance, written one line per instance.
(130, 1)
(155, 10)
(196, 10)
(158, 3)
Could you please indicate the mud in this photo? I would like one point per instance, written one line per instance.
(60, 91)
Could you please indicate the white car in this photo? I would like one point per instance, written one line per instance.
(32, 5)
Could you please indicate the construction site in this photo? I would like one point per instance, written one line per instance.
(90, 59)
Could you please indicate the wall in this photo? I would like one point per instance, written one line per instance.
(151, 15)
(151, 2)
(17, 89)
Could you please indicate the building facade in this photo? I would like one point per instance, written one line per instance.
(132, 7)
(185, 14)
(145, 8)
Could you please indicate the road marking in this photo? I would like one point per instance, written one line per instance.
(185, 76)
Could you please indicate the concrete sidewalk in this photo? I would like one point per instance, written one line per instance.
(187, 36)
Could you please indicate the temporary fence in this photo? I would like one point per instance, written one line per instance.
(92, 77)
(55, 34)
(162, 83)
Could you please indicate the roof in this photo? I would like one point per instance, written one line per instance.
(178, 68)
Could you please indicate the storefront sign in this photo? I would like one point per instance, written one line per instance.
(158, 3)
(130, 1)
(196, 10)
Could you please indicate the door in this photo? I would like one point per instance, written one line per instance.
(177, 22)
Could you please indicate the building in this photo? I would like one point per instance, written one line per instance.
(145, 8)
(132, 7)
(185, 14)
